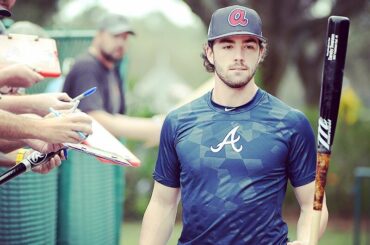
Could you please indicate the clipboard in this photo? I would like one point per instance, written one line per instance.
(106, 147)
(38, 53)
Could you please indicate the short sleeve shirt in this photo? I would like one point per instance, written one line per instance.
(88, 72)
(232, 166)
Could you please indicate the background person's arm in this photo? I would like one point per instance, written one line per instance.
(304, 195)
(160, 215)
(135, 128)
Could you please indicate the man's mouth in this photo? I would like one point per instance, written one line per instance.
(238, 68)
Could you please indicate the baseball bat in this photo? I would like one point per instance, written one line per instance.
(331, 87)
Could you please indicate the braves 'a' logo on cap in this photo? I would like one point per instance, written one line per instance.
(238, 17)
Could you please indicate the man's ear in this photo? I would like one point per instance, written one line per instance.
(261, 54)
(209, 52)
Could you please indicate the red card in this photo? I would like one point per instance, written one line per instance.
(38, 53)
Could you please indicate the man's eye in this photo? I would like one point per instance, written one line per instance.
(227, 47)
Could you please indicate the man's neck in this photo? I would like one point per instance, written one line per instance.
(233, 97)
(97, 54)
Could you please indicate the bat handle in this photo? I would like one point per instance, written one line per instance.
(322, 167)
(34, 159)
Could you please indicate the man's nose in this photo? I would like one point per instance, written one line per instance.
(239, 54)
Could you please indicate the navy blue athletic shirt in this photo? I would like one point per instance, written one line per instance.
(233, 165)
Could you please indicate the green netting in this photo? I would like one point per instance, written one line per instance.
(90, 201)
(90, 193)
(70, 44)
(28, 209)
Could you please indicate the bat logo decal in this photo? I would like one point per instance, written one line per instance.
(36, 158)
(324, 132)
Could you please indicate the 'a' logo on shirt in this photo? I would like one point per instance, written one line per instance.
(230, 139)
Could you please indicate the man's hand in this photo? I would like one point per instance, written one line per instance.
(65, 128)
(42, 102)
(19, 75)
(41, 146)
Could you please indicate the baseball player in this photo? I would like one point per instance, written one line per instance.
(228, 155)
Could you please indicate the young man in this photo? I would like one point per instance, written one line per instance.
(230, 153)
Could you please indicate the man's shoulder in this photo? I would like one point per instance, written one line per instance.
(84, 68)
(85, 61)
(282, 110)
(277, 103)
(190, 107)
(186, 113)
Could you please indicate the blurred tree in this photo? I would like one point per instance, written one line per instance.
(27, 10)
(295, 30)
(40, 12)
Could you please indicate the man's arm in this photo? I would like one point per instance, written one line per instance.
(305, 196)
(7, 160)
(159, 217)
(135, 128)
(53, 130)
(7, 146)
(19, 75)
(37, 103)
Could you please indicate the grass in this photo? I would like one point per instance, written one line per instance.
(131, 231)
(130, 235)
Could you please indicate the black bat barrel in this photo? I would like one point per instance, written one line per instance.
(11, 173)
(336, 48)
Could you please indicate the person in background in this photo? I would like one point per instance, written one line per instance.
(100, 67)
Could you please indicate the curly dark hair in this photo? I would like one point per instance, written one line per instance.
(211, 68)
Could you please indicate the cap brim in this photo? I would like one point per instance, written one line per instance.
(119, 30)
(4, 12)
(238, 33)
(126, 31)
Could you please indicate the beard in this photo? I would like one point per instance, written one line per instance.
(233, 82)
(110, 57)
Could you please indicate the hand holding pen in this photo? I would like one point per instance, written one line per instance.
(76, 101)
(59, 129)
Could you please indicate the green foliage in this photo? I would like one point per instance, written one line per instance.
(350, 150)
(36, 11)
(139, 182)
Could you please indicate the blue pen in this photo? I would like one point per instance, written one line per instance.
(85, 94)
(57, 114)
